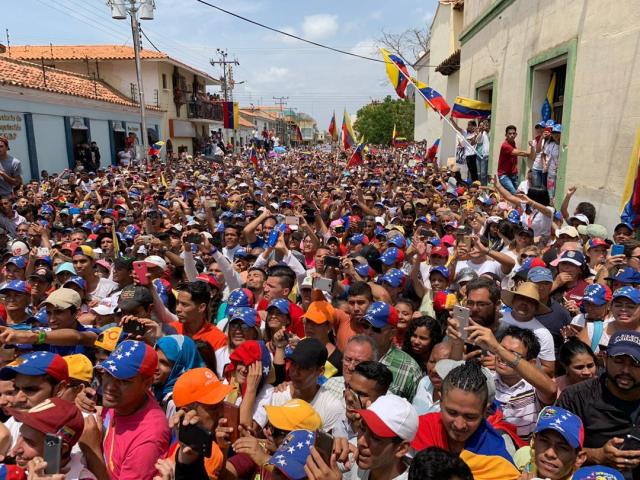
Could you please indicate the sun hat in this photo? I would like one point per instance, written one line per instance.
(526, 290)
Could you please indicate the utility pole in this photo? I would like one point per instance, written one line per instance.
(281, 101)
(227, 75)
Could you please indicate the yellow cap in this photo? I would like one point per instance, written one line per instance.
(108, 340)
(296, 414)
(87, 251)
(80, 367)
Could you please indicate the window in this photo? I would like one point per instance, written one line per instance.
(485, 93)
(558, 94)
(542, 76)
(164, 81)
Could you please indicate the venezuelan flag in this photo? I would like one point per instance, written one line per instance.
(154, 150)
(433, 150)
(253, 157)
(547, 105)
(433, 99)
(357, 158)
(333, 130)
(230, 115)
(397, 72)
(631, 196)
(348, 135)
(469, 108)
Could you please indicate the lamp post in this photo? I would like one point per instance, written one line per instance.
(119, 11)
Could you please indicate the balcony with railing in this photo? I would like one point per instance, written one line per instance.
(205, 108)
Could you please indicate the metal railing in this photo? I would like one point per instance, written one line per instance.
(209, 110)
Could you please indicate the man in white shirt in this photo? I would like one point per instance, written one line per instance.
(481, 259)
(525, 305)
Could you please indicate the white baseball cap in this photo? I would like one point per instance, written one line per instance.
(391, 416)
(579, 217)
(19, 248)
(156, 261)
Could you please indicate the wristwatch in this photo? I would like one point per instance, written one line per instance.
(513, 364)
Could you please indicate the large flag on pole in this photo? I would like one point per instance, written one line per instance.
(395, 65)
(230, 115)
(547, 105)
(348, 135)
(333, 128)
(631, 209)
(469, 108)
(435, 100)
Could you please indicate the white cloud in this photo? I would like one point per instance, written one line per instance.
(366, 48)
(319, 26)
(272, 74)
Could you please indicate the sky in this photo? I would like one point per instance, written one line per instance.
(317, 81)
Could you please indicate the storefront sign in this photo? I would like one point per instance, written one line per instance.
(11, 125)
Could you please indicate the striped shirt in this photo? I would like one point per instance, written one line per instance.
(520, 405)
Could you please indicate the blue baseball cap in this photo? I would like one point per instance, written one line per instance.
(597, 472)
(514, 217)
(35, 364)
(397, 241)
(540, 124)
(246, 315)
(625, 342)
(564, 422)
(15, 286)
(363, 269)
(626, 275)
(46, 259)
(240, 297)
(631, 293)
(281, 304)
(392, 256)
(76, 280)
(291, 456)
(130, 359)
(444, 271)
(241, 253)
(571, 256)
(539, 274)
(358, 239)
(393, 277)
(381, 314)
(549, 123)
(557, 128)
(597, 294)
(19, 262)
(625, 225)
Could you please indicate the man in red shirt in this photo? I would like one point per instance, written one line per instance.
(508, 160)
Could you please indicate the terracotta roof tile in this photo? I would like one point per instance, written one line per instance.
(30, 75)
(78, 52)
(246, 123)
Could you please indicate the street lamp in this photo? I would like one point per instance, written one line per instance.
(143, 9)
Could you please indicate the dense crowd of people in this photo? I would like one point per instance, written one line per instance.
(293, 318)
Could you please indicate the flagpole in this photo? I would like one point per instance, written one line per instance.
(408, 78)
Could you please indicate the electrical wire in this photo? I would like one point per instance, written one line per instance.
(148, 39)
(291, 35)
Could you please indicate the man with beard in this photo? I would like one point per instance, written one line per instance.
(607, 405)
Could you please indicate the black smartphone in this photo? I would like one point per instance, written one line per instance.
(324, 445)
(632, 440)
(133, 327)
(194, 238)
(197, 438)
(333, 262)
(51, 453)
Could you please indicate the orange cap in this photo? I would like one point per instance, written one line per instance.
(319, 311)
(199, 385)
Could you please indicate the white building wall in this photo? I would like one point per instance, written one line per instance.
(50, 144)
(101, 135)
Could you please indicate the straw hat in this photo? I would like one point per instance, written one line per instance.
(526, 290)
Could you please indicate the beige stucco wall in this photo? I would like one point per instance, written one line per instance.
(606, 87)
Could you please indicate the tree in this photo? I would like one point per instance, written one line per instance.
(376, 120)
(410, 44)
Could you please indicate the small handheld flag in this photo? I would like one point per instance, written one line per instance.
(356, 158)
(397, 72)
(469, 108)
(433, 150)
(547, 105)
(433, 99)
(253, 157)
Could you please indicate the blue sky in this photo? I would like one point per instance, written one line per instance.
(316, 81)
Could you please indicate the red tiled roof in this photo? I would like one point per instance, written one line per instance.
(92, 52)
(30, 75)
(78, 52)
(246, 123)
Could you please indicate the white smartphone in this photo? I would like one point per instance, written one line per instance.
(462, 314)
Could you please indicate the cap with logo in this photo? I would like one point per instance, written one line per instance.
(130, 359)
(199, 385)
(35, 364)
(397, 241)
(19, 262)
(597, 294)
(280, 304)
(56, 416)
(109, 338)
(291, 456)
(246, 315)
(309, 353)
(381, 314)
(539, 275)
(19, 249)
(625, 342)
(63, 298)
(77, 281)
(564, 422)
(391, 416)
(597, 472)
(293, 415)
(444, 271)
(570, 256)
(393, 277)
(134, 296)
(392, 256)
(630, 293)
(359, 239)
(441, 251)
(625, 275)
(15, 286)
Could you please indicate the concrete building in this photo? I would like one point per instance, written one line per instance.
(438, 68)
(46, 113)
(177, 89)
(509, 51)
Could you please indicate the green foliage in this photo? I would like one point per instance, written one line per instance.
(375, 121)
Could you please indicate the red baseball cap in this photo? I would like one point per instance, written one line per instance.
(56, 416)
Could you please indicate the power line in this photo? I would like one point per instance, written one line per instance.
(337, 50)
(149, 40)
